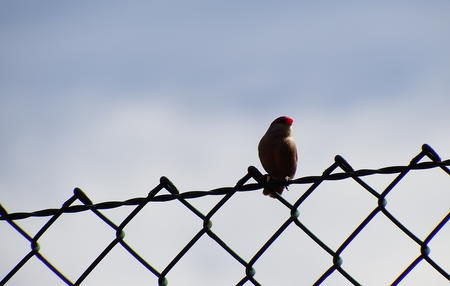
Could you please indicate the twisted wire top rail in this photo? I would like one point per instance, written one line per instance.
(225, 190)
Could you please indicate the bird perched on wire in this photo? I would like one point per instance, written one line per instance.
(278, 153)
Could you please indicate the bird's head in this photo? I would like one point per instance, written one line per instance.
(284, 120)
(281, 126)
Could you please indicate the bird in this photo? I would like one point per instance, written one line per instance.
(278, 154)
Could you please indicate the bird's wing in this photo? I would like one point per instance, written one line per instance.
(285, 159)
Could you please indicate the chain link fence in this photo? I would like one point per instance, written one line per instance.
(252, 181)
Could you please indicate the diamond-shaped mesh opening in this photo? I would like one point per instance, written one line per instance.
(246, 222)
(18, 247)
(379, 182)
(69, 245)
(335, 209)
(336, 279)
(409, 199)
(424, 274)
(204, 204)
(161, 230)
(440, 247)
(206, 263)
(379, 253)
(117, 215)
(32, 225)
(293, 259)
(34, 272)
(294, 192)
(118, 269)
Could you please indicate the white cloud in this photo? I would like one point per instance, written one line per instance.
(112, 103)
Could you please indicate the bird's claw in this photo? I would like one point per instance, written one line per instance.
(286, 182)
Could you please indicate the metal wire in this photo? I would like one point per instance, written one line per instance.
(242, 185)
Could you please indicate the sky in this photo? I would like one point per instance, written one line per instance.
(109, 96)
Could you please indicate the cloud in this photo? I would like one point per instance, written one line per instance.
(315, 52)
(109, 97)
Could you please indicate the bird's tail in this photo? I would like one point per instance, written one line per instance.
(273, 187)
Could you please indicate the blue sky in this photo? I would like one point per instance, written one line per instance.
(326, 53)
(109, 96)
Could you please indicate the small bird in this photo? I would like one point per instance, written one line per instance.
(278, 153)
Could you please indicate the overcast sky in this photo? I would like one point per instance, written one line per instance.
(109, 95)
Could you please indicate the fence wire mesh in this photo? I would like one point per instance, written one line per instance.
(249, 276)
